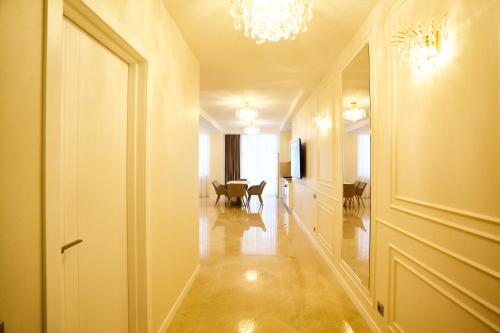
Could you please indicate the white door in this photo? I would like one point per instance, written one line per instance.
(94, 159)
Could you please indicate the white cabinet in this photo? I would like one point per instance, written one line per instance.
(287, 192)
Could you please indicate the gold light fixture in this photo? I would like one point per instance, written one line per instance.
(247, 114)
(266, 20)
(323, 121)
(354, 113)
(251, 129)
(421, 47)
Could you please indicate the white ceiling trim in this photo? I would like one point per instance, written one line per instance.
(292, 110)
(211, 120)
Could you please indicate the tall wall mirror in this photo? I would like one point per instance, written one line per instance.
(357, 166)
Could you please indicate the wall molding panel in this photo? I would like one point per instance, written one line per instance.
(435, 231)
(475, 232)
(466, 300)
(443, 250)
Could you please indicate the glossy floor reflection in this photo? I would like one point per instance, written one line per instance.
(356, 241)
(259, 273)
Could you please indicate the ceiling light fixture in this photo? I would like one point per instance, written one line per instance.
(421, 47)
(265, 20)
(247, 114)
(251, 129)
(354, 113)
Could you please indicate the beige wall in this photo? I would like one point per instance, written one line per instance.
(216, 160)
(350, 158)
(285, 146)
(173, 113)
(435, 172)
(21, 36)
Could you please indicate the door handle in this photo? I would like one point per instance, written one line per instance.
(70, 244)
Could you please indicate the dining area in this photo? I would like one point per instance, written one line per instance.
(353, 194)
(239, 192)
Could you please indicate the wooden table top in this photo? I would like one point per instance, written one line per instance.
(243, 182)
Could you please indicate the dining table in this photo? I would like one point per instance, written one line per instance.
(242, 182)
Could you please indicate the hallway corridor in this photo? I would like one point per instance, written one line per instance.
(259, 273)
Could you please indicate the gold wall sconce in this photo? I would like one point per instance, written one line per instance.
(421, 47)
(323, 121)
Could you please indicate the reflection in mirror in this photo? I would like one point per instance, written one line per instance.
(357, 166)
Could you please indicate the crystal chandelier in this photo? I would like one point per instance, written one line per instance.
(271, 20)
(247, 114)
(354, 113)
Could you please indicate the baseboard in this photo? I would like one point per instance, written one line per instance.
(357, 303)
(173, 311)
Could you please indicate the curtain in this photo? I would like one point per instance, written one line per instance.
(232, 157)
(259, 160)
(363, 160)
(204, 163)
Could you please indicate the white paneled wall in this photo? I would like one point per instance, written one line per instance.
(435, 176)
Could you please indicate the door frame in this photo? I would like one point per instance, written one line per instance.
(103, 28)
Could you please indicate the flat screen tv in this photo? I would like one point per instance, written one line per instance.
(297, 158)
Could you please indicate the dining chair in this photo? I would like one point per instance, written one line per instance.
(348, 194)
(219, 190)
(358, 192)
(356, 184)
(257, 190)
(237, 191)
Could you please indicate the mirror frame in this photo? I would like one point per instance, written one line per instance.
(367, 292)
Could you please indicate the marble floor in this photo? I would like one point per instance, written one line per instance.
(356, 241)
(259, 273)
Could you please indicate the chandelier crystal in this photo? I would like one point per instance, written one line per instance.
(252, 129)
(354, 113)
(421, 46)
(323, 121)
(271, 20)
(247, 114)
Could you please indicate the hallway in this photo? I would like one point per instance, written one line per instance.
(260, 273)
(369, 128)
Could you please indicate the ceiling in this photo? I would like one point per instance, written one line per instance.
(274, 77)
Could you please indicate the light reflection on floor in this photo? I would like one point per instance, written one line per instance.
(259, 273)
(356, 240)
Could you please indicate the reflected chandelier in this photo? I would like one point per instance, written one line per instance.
(271, 20)
(354, 113)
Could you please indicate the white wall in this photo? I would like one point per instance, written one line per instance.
(285, 146)
(435, 172)
(216, 160)
(350, 157)
(21, 36)
(173, 113)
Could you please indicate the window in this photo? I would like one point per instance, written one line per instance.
(259, 160)
(204, 163)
